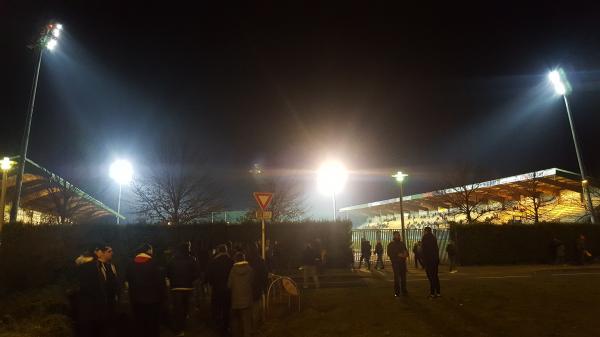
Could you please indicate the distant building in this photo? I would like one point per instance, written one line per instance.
(47, 198)
(551, 195)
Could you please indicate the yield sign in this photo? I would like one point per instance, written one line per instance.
(263, 199)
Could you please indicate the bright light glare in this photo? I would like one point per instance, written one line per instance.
(59, 26)
(332, 176)
(400, 176)
(51, 44)
(56, 32)
(559, 86)
(121, 171)
(5, 164)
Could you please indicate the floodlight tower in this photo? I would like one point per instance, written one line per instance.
(562, 88)
(400, 179)
(331, 178)
(122, 172)
(48, 39)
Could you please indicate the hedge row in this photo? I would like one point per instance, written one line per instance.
(519, 244)
(33, 256)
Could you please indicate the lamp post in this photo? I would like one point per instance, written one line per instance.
(6, 164)
(122, 172)
(400, 179)
(331, 178)
(47, 40)
(562, 88)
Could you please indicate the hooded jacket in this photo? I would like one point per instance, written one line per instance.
(241, 279)
(146, 280)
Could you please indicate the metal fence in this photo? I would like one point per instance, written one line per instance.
(385, 235)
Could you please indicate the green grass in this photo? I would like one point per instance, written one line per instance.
(538, 306)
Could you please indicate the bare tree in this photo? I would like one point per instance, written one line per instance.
(67, 206)
(468, 200)
(177, 188)
(534, 203)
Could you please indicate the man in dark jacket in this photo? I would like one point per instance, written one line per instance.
(104, 254)
(310, 259)
(217, 275)
(379, 253)
(398, 253)
(240, 281)
(147, 290)
(365, 253)
(92, 306)
(451, 251)
(182, 271)
(431, 261)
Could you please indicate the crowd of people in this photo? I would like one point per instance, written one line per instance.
(236, 276)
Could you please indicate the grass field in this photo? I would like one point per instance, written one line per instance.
(544, 303)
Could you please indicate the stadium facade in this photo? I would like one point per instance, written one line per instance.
(47, 198)
(551, 195)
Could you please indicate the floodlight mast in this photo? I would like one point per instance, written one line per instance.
(46, 40)
(562, 88)
(122, 172)
(332, 176)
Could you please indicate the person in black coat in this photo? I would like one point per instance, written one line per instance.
(379, 253)
(182, 272)
(431, 260)
(398, 253)
(260, 280)
(147, 291)
(217, 275)
(91, 302)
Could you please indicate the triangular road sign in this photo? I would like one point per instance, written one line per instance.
(263, 199)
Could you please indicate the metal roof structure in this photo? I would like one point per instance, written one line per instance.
(550, 181)
(47, 193)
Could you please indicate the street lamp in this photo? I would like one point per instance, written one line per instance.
(6, 164)
(562, 88)
(331, 178)
(400, 179)
(48, 39)
(122, 172)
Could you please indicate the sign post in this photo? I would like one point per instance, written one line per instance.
(263, 199)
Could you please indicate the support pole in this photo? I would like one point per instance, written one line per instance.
(25, 141)
(584, 183)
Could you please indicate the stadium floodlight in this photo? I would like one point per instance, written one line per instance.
(6, 164)
(331, 178)
(562, 87)
(558, 81)
(51, 44)
(46, 40)
(122, 172)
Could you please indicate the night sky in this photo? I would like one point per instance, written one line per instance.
(425, 90)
